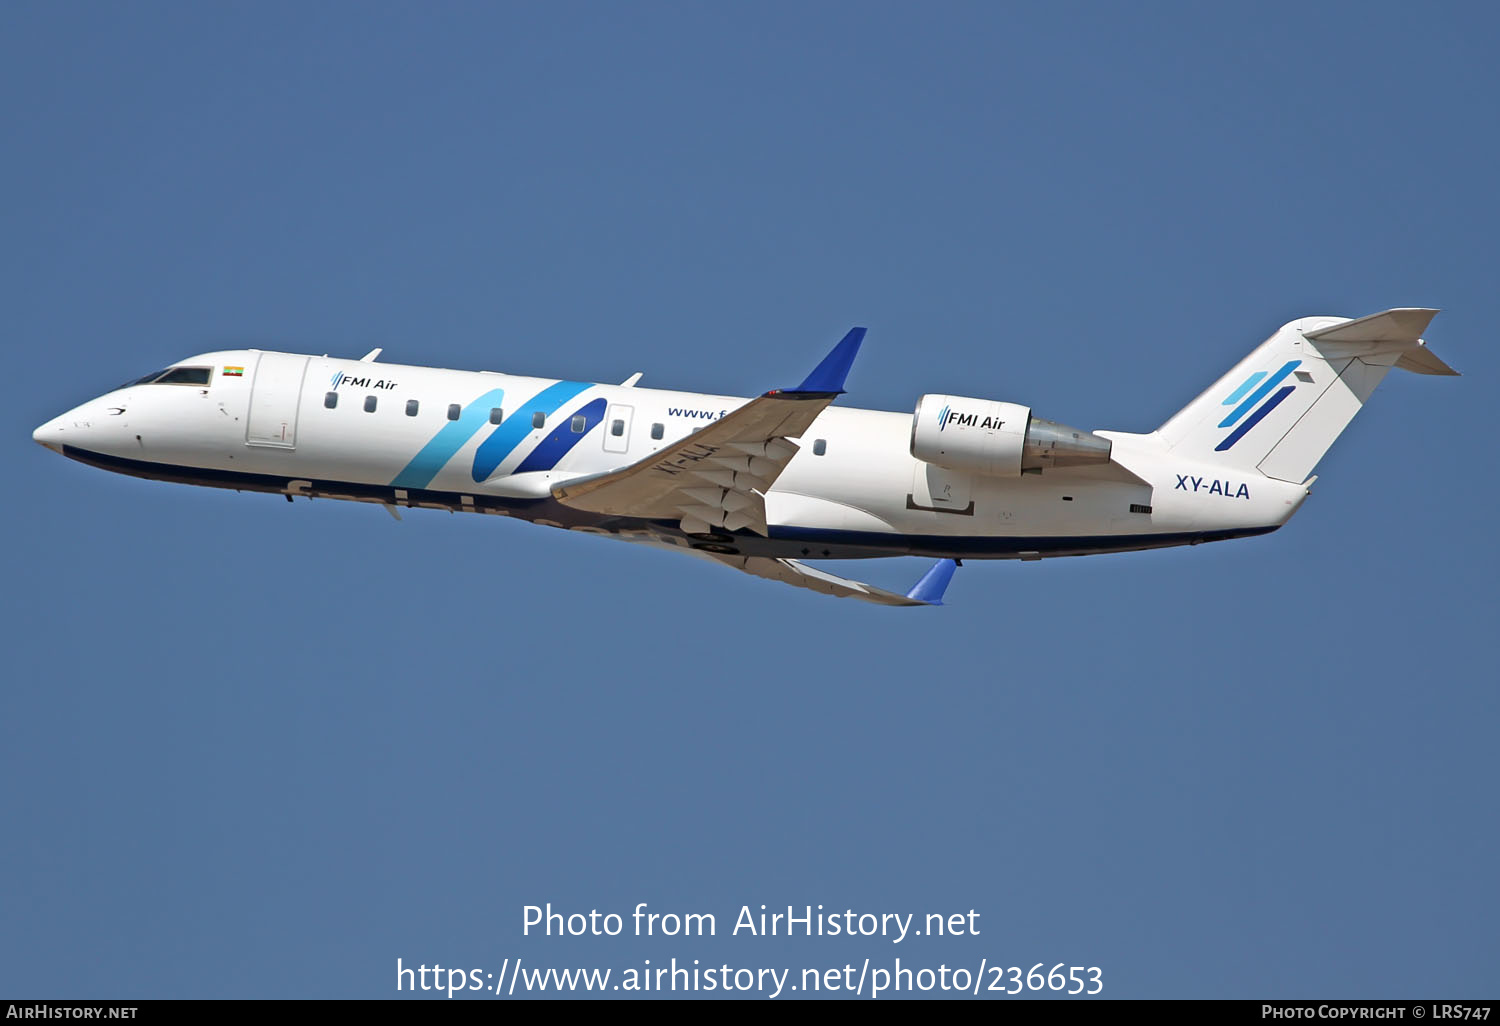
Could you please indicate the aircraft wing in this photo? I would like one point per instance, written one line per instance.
(927, 592)
(717, 476)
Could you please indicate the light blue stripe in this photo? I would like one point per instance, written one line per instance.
(1260, 393)
(1239, 393)
(434, 456)
(513, 431)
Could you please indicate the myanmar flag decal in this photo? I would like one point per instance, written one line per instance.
(234, 372)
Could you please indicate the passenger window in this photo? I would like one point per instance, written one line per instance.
(617, 428)
(657, 431)
(453, 411)
(411, 407)
(538, 419)
(185, 376)
(331, 400)
(820, 446)
(369, 404)
(580, 424)
(496, 415)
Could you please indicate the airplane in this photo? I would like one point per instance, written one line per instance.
(759, 484)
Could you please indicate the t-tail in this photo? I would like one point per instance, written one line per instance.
(1280, 409)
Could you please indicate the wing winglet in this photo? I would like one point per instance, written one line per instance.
(934, 582)
(828, 377)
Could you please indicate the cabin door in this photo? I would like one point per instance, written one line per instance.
(274, 396)
(617, 428)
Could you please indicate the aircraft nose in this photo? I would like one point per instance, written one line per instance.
(49, 434)
(96, 425)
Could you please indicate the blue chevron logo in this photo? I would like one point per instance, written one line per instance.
(1255, 401)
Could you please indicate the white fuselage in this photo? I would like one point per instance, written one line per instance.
(853, 489)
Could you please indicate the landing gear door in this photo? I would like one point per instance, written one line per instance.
(274, 397)
(617, 428)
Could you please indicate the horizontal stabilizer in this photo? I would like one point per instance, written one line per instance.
(1422, 360)
(1396, 331)
(1403, 324)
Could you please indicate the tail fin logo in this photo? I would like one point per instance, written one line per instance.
(943, 417)
(1255, 401)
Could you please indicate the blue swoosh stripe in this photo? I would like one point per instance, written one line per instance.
(1256, 418)
(514, 429)
(1239, 393)
(1260, 393)
(562, 439)
(434, 456)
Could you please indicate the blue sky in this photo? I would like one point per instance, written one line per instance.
(260, 749)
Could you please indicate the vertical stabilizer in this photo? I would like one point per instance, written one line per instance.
(1281, 408)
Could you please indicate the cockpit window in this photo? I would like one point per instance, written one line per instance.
(175, 376)
(186, 376)
(144, 380)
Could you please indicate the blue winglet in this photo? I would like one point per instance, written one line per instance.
(828, 376)
(933, 583)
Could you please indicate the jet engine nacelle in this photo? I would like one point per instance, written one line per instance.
(981, 436)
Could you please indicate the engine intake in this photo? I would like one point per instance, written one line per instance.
(981, 436)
